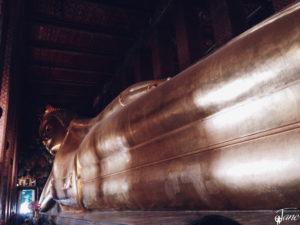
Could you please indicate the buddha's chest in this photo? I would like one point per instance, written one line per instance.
(65, 180)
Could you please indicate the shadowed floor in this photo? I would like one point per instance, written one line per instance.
(261, 217)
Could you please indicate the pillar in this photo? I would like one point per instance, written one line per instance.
(227, 19)
(188, 37)
(163, 55)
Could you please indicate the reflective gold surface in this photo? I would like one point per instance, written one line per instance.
(223, 134)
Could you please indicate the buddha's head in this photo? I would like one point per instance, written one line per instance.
(54, 126)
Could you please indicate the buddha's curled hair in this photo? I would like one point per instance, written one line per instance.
(63, 116)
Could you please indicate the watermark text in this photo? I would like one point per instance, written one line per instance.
(283, 215)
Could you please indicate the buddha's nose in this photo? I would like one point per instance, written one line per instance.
(46, 140)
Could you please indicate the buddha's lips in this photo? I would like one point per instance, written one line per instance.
(47, 143)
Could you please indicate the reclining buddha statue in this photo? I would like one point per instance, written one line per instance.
(222, 134)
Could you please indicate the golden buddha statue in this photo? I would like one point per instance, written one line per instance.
(223, 134)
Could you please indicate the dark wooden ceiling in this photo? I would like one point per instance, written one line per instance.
(74, 47)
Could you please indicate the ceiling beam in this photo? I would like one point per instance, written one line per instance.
(46, 20)
(53, 46)
(49, 75)
(70, 60)
(90, 13)
(62, 88)
(133, 6)
(50, 98)
(74, 39)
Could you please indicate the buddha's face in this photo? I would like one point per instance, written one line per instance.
(53, 134)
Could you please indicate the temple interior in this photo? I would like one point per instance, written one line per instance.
(80, 54)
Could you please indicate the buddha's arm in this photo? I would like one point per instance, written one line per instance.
(127, 96)
(46, 200)
(79, 127)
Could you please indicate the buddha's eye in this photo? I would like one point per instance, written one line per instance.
(48, 129)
